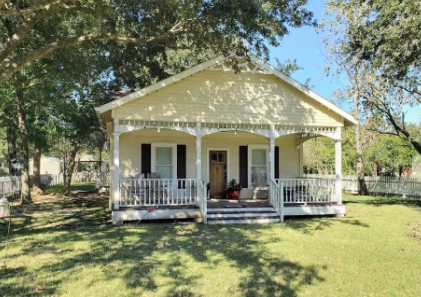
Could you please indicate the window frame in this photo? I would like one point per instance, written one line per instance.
(251, 147)
(173, 145)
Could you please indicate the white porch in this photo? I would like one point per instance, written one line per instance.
(289, 195)
(150, 199)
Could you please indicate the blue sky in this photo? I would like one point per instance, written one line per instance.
(306, 46)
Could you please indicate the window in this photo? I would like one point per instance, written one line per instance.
(164, 159)
(258, 165)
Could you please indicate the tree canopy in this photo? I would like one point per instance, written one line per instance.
(30, 30)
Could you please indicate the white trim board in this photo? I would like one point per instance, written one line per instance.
(219, 60)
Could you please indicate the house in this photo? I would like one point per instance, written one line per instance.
(209, 124)
(49, 165)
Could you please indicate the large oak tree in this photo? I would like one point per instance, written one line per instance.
(123, 30)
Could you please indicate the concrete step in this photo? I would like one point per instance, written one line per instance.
(242, 215)
(243, 221)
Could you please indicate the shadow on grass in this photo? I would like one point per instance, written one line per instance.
(310, 224)
(150, 257)
(385, 201)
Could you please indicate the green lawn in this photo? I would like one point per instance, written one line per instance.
(66, 248)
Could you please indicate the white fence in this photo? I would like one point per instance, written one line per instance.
(10, 186)
(379, 185)
(51, 179)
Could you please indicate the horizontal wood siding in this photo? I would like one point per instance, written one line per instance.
(131, 163)
(289, 157)
(213, 96)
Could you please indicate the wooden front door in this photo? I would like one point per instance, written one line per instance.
(217, 173)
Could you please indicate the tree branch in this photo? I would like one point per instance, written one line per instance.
(13, 67)
(7, 12)
(2, 2)
(20, 34)
(382, 132)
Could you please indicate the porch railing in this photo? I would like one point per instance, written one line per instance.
(146, 192)
(308, 190)
(202, 201)
(276, 198)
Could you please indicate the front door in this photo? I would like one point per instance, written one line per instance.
(217, 173)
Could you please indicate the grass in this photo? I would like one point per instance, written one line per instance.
(59, 189)
(64, 247)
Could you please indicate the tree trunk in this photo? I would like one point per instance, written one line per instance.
(37, 165)
(359, 144)
(25, 192)
(11, 146)
(360, 165)
(70, 167)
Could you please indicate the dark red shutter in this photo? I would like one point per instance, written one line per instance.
(244, 181)
(181, 161)
(276, 161)
(146, 158)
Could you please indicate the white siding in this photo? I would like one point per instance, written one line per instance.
(130, 151)
(213, 96)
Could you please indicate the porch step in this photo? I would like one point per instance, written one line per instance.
(241, 209)
(243, 221)
(241, 215)
(252, 215)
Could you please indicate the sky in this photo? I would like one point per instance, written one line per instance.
(306, 46)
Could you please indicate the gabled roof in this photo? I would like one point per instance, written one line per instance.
(265, 67)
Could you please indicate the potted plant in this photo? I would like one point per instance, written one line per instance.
(233, 190)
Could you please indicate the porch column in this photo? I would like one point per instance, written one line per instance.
(338, 169)
(199, 151)
(272, 153)
(116, 170)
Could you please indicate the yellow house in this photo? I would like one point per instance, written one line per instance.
(208, 125)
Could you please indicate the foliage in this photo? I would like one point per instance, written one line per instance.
(382, 153)
(233, 186)
(384, 33)
(40, 29)
(388, 154)
(65, 247)
(374, 45)
(319, 155)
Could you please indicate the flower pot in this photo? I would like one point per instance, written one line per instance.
(234, 195)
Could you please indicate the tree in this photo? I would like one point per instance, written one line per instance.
(384, 76)
(387, 36)
(389, 155)
(31, 30)
(319, 155)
